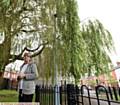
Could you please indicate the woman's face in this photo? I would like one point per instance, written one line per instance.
(27, 59)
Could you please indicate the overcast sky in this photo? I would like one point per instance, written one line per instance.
(108, 12)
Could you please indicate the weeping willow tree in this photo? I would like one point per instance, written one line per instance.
(22, 27)
(85, 45)
(98, 42)
(30, 25)
(72, 38)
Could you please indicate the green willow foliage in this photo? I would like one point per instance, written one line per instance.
(80, 47)
(98, 42)
(85, 44)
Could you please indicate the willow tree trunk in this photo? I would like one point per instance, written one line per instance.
(5, 48)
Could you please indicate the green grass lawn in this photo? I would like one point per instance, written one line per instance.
(8, 96)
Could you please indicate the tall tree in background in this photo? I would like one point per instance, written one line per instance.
(98, 43)
(86, 44)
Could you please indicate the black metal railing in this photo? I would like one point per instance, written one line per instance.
(73, 95)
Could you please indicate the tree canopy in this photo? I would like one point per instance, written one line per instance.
(53, 25)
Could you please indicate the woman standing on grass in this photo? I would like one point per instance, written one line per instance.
(27, 76)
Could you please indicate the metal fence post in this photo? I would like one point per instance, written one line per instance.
(37, 93)
(77, 94)
(119, 91)
(115, 93)
(71, 94)
(97, 89)
(88, 93)
(60, 95)
(110, 91)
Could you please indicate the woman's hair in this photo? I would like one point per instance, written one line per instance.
(27, 54)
